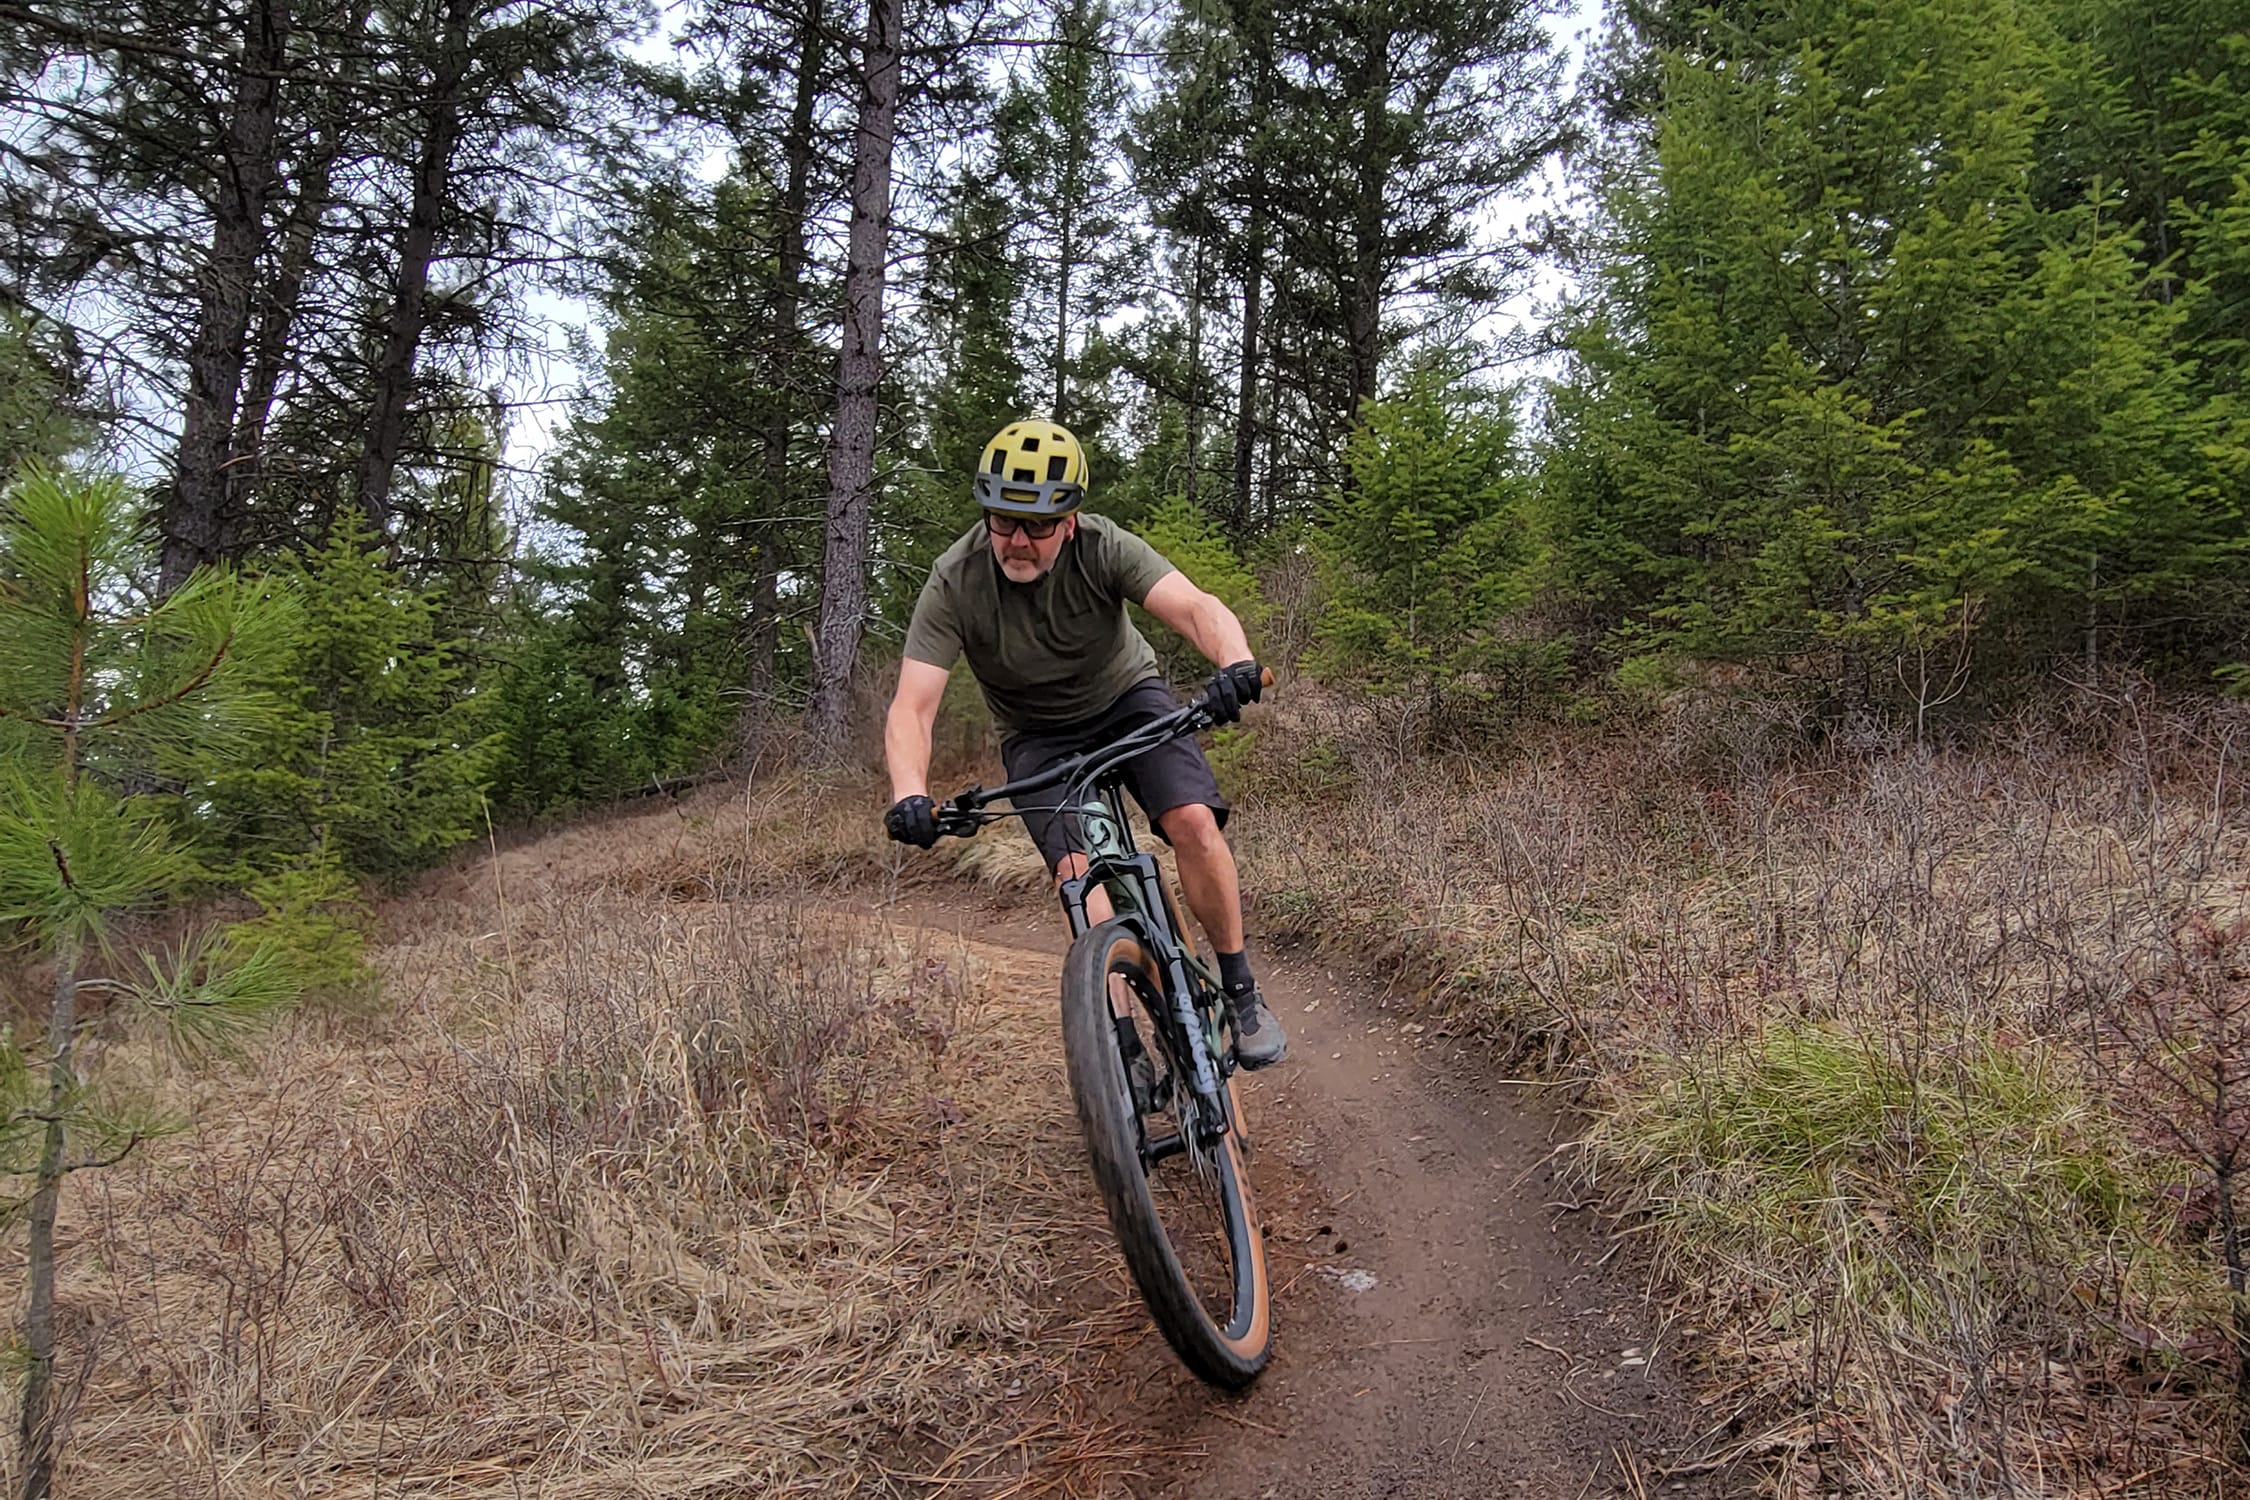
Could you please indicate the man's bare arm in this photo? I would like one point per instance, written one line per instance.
(906, 732)
(1203, 618)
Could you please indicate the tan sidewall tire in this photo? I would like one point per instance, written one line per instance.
(1105, 1116)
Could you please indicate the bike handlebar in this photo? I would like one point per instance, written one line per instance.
(964, 814)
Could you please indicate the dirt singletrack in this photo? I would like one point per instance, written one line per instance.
(1451, 1323)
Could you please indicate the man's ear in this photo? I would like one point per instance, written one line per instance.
(1072, 529)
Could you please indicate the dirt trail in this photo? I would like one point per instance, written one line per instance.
(1445, 1324)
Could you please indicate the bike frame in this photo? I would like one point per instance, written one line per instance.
(1137, 897)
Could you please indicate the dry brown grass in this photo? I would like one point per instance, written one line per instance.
(657, 1182)
(623, 1197)
(1847, 1022)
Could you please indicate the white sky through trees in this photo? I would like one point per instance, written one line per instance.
(539, 399)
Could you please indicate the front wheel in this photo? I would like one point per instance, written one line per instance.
(1183, 1216)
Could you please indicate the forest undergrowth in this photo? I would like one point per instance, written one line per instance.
(1915, 1069)
(1918, 1069)
(609, 1197)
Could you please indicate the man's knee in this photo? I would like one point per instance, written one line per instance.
(1195, 827)
(1071, 867)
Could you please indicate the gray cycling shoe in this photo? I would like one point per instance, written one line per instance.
(1258, 1040)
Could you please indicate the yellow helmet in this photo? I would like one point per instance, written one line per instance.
(1032, 468)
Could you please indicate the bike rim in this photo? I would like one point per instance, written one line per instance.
(1201, 1197)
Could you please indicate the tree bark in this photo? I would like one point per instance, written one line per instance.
(1194, 402)
(191, 518)
(36, 1432)
(1363, 307)
(765, 639)
(859, 372)
(784, 340)
(37, 1418)
(1066, 250)
(394, 368)
(277, 313)
(1246, 387)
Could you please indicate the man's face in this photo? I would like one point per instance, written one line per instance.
(1023, 557)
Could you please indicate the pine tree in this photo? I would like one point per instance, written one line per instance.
(1422, 548)
(376, 756)
(852, 436)
(97, 686)
(1857, 392)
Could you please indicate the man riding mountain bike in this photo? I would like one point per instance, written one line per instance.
(1034, 595)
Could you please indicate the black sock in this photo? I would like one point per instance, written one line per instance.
(1234, 972)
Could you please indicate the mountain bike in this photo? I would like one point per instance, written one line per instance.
(1150, 1069)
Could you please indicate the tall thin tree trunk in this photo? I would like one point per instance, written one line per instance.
(38, 1420)
(859, 373)
(1066, 247)
(394, 368)
(1246, 386)
(191, 518)
(277, 322)
(37, 1429)
(1363, 307)
(765, 639)
(1194, 401)
(284, 298)
(783, 341)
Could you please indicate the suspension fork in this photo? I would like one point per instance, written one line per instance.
(1139, 874)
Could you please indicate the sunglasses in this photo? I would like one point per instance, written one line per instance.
(1037, 530)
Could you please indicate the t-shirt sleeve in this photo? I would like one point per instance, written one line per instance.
(934, 635)
(1134, 566)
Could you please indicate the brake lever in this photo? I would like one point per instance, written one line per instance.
(958, 822)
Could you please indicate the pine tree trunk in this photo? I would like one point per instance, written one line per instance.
(1066, 249)
(1246, 389)
(1363, 308)
(277, 316)
(1194, 402)
(765, 639)
(191, 516)
(394, 368)
(784, 338)
(36, 1432)
(859, 372)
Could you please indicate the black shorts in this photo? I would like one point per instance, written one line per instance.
(1172, 775)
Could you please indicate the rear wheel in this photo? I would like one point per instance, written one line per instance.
(1183, 1215)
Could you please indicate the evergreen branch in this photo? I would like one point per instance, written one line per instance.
(193, 685)
(125, 42)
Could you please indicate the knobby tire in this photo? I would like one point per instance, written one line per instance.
(1227, 1353)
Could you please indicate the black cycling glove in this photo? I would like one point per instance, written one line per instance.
(912, 820)
(1230, 688)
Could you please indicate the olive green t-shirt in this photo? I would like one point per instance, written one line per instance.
(1046, 653)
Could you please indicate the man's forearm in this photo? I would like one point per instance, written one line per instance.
(1220, 635)
(906, 748)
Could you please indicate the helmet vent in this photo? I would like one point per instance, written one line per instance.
(1025, 476)
(1056, 465)
(999, 461)
(1031, 445)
